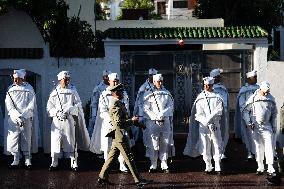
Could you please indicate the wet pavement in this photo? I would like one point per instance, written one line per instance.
(185, 172)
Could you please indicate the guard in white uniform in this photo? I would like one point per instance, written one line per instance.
(241, 130)
(206, 134)
(260, 115)
(222, 91)
(68, 129)
(22, 133)
(158, 108)
(95, 100)
(99, 142)
(138, 107)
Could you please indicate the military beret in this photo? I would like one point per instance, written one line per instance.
(118, 87)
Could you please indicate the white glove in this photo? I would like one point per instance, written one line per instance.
(160, 117)
(213, 127)
(19, 122)
(60, 115)
(251, 125)
(73, 110)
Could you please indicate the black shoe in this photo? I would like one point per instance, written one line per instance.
(209, 172)
(28, 167)
(74, 169)
(274, 179)
(51, 168)
(153, 171)
(124, 171)
(166, 170)
(142, 183)
(259, 172)
(102, 181)
(14, 166)
(218, 172)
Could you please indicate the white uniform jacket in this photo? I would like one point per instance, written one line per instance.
(261, 111)
(21, 102)
(63, 132)
(99, 141)
(159, 105)
(201, 120)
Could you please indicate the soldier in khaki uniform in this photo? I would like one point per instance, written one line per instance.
(121, 123)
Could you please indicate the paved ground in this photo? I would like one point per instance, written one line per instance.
(186, 172)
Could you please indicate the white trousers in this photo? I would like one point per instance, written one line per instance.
(211, 142)
(19, 138)
(161, 147)
(263, 140)
(63, 136)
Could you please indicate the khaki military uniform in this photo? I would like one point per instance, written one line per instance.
(121, 123)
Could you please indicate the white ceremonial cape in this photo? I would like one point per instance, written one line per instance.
(35, 138)
(81, 134)
(239, 124)
(193, 147)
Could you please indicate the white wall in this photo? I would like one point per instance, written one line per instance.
(17, 30)
(260, 61)
(275, 76)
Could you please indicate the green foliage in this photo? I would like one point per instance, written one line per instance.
(139, 4)
(71, 38)
(264, 13)
(100, 15)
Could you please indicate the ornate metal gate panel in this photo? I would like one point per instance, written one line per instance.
(183, 72)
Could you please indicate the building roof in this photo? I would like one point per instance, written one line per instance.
(103, 25)
(186, 33)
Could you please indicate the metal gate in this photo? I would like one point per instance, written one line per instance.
(183, 72)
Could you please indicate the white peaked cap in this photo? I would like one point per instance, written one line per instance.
(152, 71)
(215, 72)
(208, 80)
(24, 71)
(62, 75)
(158, 77)
(251, 74)
(19, 74)
(113, 76)
(264, 86)
(106, 72)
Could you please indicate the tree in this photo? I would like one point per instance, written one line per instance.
(140, 4)
(265, 13)
(100, 15)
